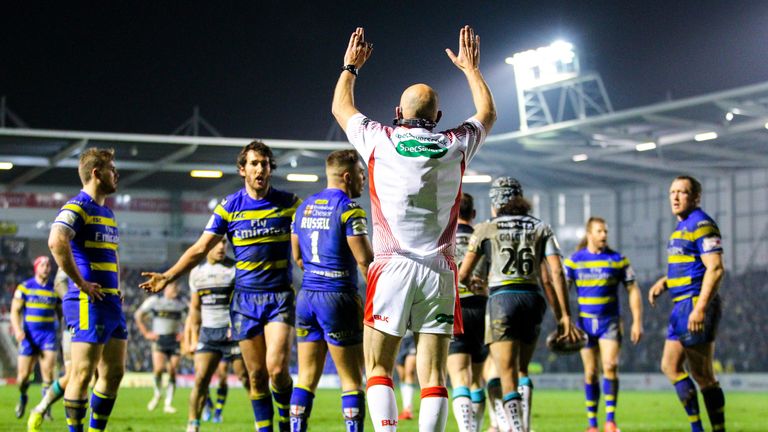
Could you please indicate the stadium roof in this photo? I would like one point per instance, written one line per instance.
(691, 135)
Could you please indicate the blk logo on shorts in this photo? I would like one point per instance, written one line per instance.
(389, 422)
(443, 318)
(381, 318)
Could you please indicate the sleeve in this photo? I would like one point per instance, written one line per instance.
(476, 240)
(471, 136)
(354, 219)
(570, 268)
(72, 216)
(551, 245)
(192, 283)
(295, 202)
(361, 133)
(707, 238)
(218, 224)
(629, 272)
(21, 293)
(148, 304)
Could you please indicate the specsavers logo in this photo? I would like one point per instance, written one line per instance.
(415, 148)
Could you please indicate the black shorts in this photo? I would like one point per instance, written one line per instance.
(167, 344)
(407, 347)
(514, 315)
(215, 340)
(472, 341)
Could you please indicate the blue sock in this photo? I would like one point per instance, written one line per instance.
(686, 392)
(611, 392)
(75, 410)
(511, 395)
(262, 412)
(208, 401)
(477, 396)
(592, 392)
(461, 392)
(283, 403)
(353, 407)
(714, 400)
(301, 408)
(101, 408)
(221, 399)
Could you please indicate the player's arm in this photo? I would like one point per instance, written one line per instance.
(358, 51)
(656, 290)
(549, 290)
(713, 275)
(296, 251)
(17, 306)
(192, 256)
(139, 317)
(362, 251)
(58, 243)
(192, 325)
(636, 307)
(468, 61)
(467, 267)
(567, 329)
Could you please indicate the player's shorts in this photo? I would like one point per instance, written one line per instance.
(252, 310)
(514, 315)
(336, 317)
(215, 340)
(472, 342)
(167, 344)
(678, 322)
(407, 348)
(66, 345)
(608, 327)
(417, 293)
(95, 321)
(37, 341)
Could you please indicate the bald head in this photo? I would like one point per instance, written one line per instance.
(419, 101)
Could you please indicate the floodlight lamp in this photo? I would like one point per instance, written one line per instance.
(6, 165)
(206, 173)
(645, 146)
(729, 115)
(705, 136)
(580, 157)
(476, 178)
(545, 65)
(309, 178)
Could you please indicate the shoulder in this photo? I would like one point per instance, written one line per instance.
(284, 199)
(228, 263)
(465, 229)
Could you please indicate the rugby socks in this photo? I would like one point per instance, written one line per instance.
(433, 411)
(611, 392)
(592, 392)
(75, 410)
(170, 390)
(221, 399)
(158, 385)
(497, 406)
(714, 400)
(406, 392)
(381, 403)
(513, 411)
(23, 397)
(262, 412)
(101, 408)
(54, 393)
(301, 408)
(353, 408)
(283, 403)
(478, 408)
(462, 408)
(525, 388)
(686, 392)
(44, 389)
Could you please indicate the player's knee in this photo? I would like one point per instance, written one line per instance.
(610, 367)
(703, 378)
(590, 376)
(669, 369)
(259, 381)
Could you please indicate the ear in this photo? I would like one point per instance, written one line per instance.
(347, 177)
(398, 112)
(241, 170)
(474, 214)
(439, 116)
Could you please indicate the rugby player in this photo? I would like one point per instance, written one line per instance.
(694, 272)
(84, 240)
(329, 239)
(597, 270)
(523, 253)
(405, 364)
(35, 324)
(257, 222)
(415, 187)
(467, 352)
(166, 312)
(207, 332)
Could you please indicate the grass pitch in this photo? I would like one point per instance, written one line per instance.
(553, 411)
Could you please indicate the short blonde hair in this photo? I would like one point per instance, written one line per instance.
(91, 158)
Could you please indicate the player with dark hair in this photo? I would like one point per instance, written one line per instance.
(694, 272)
(35, 325)
(467, 352)
(257, 222)
(597, 270)
(330, 243)
(523, 254)
(415, 184)
(84, 240)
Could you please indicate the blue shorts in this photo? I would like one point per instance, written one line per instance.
(37, 341)
(95, 321)
(336, 317)
(678, 322)
(252, 310)
(407, 348)
(608, 327)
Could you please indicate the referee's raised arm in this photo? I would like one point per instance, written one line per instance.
(358, 51)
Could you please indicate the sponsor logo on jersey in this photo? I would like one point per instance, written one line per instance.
(415, 148)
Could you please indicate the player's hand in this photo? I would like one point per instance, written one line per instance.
(20, 335)
(478, 286)
(469, 50)
(190, 346)
(567, 330)
(696, 320)
(656, 290)
(636, 333)
(155, 282)
(358, 50)
(92, 289)
(152, 336)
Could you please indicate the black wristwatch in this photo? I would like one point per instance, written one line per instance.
(351, 68)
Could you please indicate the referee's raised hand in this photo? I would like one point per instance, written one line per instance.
(358, 50)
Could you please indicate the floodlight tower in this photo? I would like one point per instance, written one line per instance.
(552, 72)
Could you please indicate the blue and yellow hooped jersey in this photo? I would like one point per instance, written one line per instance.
(260, 233)
(323, 223)
(694, 236)
(95, 243)
(40, 302)
(597, 278)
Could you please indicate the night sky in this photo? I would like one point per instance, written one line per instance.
(267, 69)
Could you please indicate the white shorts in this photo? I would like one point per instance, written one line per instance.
(66, 344)
(404, 293)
